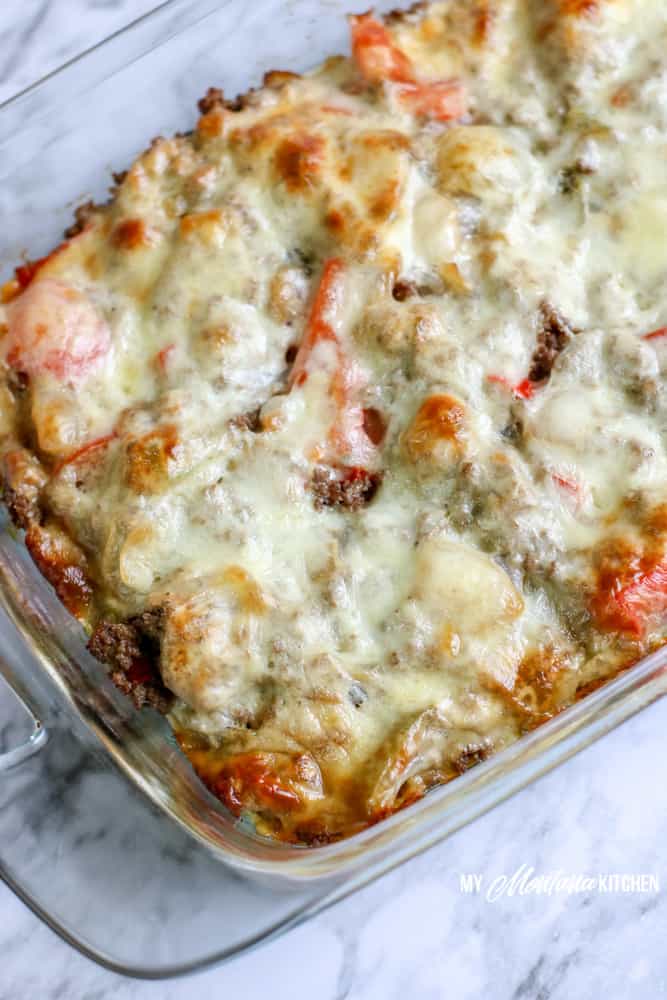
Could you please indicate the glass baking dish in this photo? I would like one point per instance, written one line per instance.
(59, 141)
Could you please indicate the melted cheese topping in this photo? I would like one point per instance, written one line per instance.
(363, 385)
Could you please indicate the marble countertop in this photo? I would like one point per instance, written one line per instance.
(417, 930)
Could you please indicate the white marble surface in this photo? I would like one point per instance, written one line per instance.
(414, 932)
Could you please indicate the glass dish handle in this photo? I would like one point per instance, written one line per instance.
(39, 735)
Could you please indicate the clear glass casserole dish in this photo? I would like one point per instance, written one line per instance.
(57, 141)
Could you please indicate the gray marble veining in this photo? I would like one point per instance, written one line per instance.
(416, 931)
(37, 36)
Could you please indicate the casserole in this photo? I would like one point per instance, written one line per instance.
(138, 745)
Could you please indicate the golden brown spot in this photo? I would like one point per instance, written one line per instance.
(452, 277)
(147, 460)
(63, 564)
(346, 170)
(253, 139)
(259, 781)
(430, 29)
(247, 591)
(335, 221)
(483, 23)
(10, 290)
(345, 226)
(93, 264)
(579, 8)
(487, 258)
(383, 204)
(655, 524)
(536, 697)
(375, 167)
(212, 124)
(298, 160)
(277, 78)
(387, 138)
(206, 226)
(439, 418)
(131, 234)
(216, 338)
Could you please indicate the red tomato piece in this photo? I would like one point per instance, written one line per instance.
(522, 390)
(55, 328)
(568, 485)
(499, 380)
(380, 60)
(627, 606)
(375, 52)
(349, 437)
(443, 100)
(162, 357)
(656, 334)
(525, 389)
(571, 490)
(84, 451)
(256, 780)
(26, 272)
(318, 327)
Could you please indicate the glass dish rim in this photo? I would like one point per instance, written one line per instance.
(443, 810)
(73, 65)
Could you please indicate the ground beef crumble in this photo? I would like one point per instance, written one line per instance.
(82, 216)
(351, 488)
(132, 650)
(23, 480)
(250, 421)
(554, 335)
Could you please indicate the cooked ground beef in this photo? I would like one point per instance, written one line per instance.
(82, 216)
(132, 650)
(403, 290)
(249, 421)
(23, 480)
(554, 334)
(351, 488)
(151, 623)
